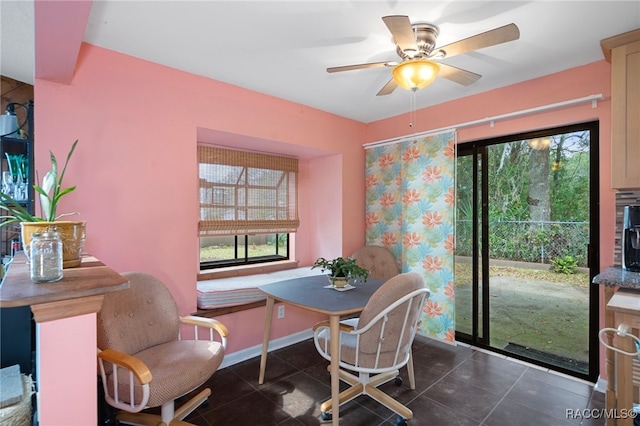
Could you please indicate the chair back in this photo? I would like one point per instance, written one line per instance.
(138, 318)
(379, 261)
(391, 316)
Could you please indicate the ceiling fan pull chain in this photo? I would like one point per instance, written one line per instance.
(412, 106)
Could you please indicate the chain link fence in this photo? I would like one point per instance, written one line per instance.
(525, 241)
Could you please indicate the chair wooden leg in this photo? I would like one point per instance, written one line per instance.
(345, 396)
(388, 402)
(155, 420)
(176, 422)
(357, 388)
(379, 379)
(346, 377)
(147, 420)
(349, 378)
(187, 408)
(138, 418)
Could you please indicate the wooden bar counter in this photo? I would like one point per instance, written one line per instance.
(625, 304)
(49, 301)
(65, 316)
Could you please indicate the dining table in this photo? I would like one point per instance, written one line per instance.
(315, 293)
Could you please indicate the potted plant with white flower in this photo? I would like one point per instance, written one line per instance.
(72, 233)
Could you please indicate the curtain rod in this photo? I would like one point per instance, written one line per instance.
(591, 98)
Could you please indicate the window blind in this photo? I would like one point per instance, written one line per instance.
(245, 192)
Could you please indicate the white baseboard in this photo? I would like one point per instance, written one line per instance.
(254, 351)
(601, 385)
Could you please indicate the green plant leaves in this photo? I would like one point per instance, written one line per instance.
(564, 265)
(50, 192)
(342, 267)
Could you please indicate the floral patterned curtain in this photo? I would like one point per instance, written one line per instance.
(410, 202)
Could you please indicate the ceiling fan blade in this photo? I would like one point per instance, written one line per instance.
(458, 75)
(479, 41)
(388, 88)
(361, 66)
(402, 32)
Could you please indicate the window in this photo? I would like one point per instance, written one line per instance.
(248, 206)
(216, 252)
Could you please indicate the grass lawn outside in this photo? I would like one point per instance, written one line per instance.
(539, 309)
(223, 252)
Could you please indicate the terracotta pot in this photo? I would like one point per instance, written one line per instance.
(72, 234)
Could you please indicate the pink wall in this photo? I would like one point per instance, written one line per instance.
(62, 379)
(135, 166)
(138, 124)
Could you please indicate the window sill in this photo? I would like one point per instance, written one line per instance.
(239, 271)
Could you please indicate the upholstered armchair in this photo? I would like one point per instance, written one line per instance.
(143, 360)
(380, 262)
(378, 343)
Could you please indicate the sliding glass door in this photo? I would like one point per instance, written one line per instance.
(526, 217)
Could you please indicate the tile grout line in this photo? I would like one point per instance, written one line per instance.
(504, 396)
(439, 380)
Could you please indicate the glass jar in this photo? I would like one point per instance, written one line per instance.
(46, 257)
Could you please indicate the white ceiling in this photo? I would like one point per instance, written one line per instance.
(282, 48)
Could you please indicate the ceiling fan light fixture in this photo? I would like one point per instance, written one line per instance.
(415, 74)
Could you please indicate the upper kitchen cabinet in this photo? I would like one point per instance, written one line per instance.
(623, 52)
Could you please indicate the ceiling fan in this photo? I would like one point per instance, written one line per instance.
(416, 46)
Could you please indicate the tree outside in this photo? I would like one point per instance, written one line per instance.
(538, 207)
(538, 200)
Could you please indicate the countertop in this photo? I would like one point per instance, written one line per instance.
(615, 276)
(90, 279)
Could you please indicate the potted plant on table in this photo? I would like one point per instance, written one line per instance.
(343, 269)
(72, 233)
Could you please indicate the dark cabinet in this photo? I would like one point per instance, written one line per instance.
(17, 175)
(17, 328)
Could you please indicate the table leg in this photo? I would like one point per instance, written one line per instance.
(334, 324)
(265, 340)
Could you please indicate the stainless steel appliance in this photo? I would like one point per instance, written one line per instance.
(631, 238)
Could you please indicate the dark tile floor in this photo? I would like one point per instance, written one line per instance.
(455, 385)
